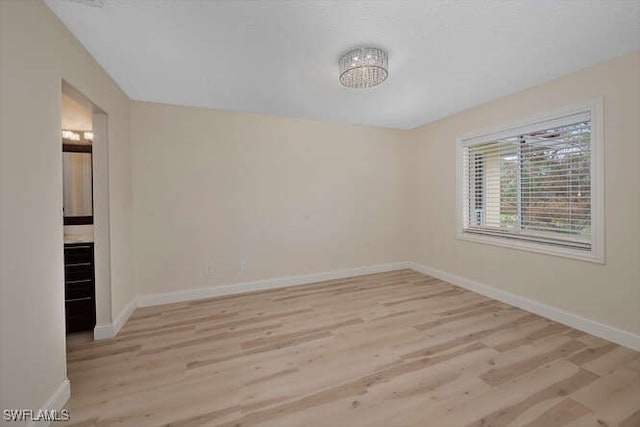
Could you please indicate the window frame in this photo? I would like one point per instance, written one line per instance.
(597, 252)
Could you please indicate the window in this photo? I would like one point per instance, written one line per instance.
(536, 185)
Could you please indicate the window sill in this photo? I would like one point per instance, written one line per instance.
(541, 248)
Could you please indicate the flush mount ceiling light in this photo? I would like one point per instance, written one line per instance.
(363, 67)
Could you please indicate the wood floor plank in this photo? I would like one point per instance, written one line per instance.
(500, 375)
(563, 413)
(394, 349)
(551, 329)
(505, 416)
(632, 420)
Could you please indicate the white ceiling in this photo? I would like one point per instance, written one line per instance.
(280, 57)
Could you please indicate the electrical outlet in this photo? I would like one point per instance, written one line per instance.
(243, 265)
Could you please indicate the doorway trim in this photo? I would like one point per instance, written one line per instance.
(101, 225)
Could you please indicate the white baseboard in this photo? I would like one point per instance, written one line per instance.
(124, 316)
(103, 331)
(110, 330)
(55, 402)
(258, 285)
(609, 333)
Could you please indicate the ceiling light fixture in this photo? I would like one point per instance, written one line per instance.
(363, 67)
(70, 135)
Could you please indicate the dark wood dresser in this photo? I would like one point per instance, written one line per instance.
(79, 287)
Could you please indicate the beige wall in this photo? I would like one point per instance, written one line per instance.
(290, 196)
(36, 53)
(607, 293)
(75, 115)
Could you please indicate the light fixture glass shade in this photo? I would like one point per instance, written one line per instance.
(363, 67)
(70, 135)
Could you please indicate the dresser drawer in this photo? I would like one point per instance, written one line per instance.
(78, 271)
(78, 253)
(77, 291)
(80, 314)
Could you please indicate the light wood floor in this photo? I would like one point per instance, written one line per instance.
(392, 349)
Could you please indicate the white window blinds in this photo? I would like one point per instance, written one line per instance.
(531, 183)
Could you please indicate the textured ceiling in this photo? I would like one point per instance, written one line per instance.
(280, 57)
